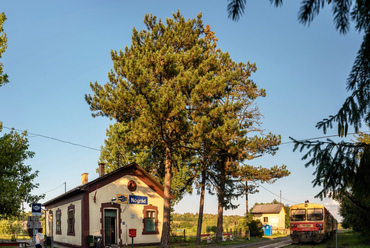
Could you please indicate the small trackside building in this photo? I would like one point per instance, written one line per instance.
(270, 214)
(107, 208)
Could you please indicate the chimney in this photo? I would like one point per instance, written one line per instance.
(101, 169)
(85, 178)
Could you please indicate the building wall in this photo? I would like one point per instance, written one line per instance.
(64, 237)
(277, 221)
(131, 214)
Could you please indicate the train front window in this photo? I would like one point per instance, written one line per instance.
(314, 214)
(298, 214)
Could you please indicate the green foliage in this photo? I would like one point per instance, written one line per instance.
(213, 229)
(355, 217)
(3, 46)
(16, 179)
(176, 97)
(255, 228)
(355, 203)
(189, 220)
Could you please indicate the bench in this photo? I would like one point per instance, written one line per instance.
(20, 243)
(206, 237)
(227, 235)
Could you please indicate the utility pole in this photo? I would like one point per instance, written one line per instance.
(65, 187)
(280, 196)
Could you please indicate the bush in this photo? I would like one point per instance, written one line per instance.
(255, 228)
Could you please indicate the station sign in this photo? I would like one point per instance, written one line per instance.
(36, 209)
(122, 198)
(132, 199)
(33, 222)
(136, 199)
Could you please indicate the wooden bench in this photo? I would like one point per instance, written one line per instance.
(206, 237)
(227, 235)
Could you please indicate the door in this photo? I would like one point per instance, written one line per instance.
(110, 217)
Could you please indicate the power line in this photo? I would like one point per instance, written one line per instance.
(54, 189)
(277, 195)
(95, 149)
(55, 139)
(323, 137)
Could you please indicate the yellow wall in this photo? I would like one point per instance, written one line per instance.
(76, 239)
(131, 214)
(275, 220)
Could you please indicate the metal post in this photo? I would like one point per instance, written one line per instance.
(132, 242)
(34, 238)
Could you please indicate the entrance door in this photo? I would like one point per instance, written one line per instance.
(110, 217)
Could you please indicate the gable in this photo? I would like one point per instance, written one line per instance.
(132, 169)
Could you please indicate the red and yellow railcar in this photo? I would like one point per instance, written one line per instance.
(310, 222)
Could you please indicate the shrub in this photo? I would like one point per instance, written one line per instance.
(255, 228)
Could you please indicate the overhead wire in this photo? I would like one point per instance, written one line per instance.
(95, 149)
(53, 189)
(276, 194)
(52, 138)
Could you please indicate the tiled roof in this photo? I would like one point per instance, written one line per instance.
(266, 209)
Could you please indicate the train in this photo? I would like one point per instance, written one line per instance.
(310, 222)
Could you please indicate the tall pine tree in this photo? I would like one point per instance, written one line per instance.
(171, 88)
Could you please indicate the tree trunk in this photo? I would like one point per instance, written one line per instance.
(220, 217)
(165, 239)
(201, 207)
(246, 205)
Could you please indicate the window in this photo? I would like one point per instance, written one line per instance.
(314, 214)
(150, 220)
(265, 219)
(298, 214)
(71, 220)
(58, 221)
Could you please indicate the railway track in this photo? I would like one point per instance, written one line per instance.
(268, 244)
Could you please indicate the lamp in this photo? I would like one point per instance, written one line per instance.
(113, 199)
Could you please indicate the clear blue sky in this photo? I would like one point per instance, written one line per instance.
(56, 48)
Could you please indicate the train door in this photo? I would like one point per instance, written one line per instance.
(110, 220)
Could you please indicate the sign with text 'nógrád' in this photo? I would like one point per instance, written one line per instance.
(136, 199)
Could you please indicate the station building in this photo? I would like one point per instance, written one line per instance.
(106, 209)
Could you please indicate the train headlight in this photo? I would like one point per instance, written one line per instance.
(292, 225)
(321, 224)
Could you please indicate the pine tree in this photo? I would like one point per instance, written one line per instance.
(163, 85)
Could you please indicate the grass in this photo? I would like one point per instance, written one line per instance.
(347, 239)
(190, 242)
